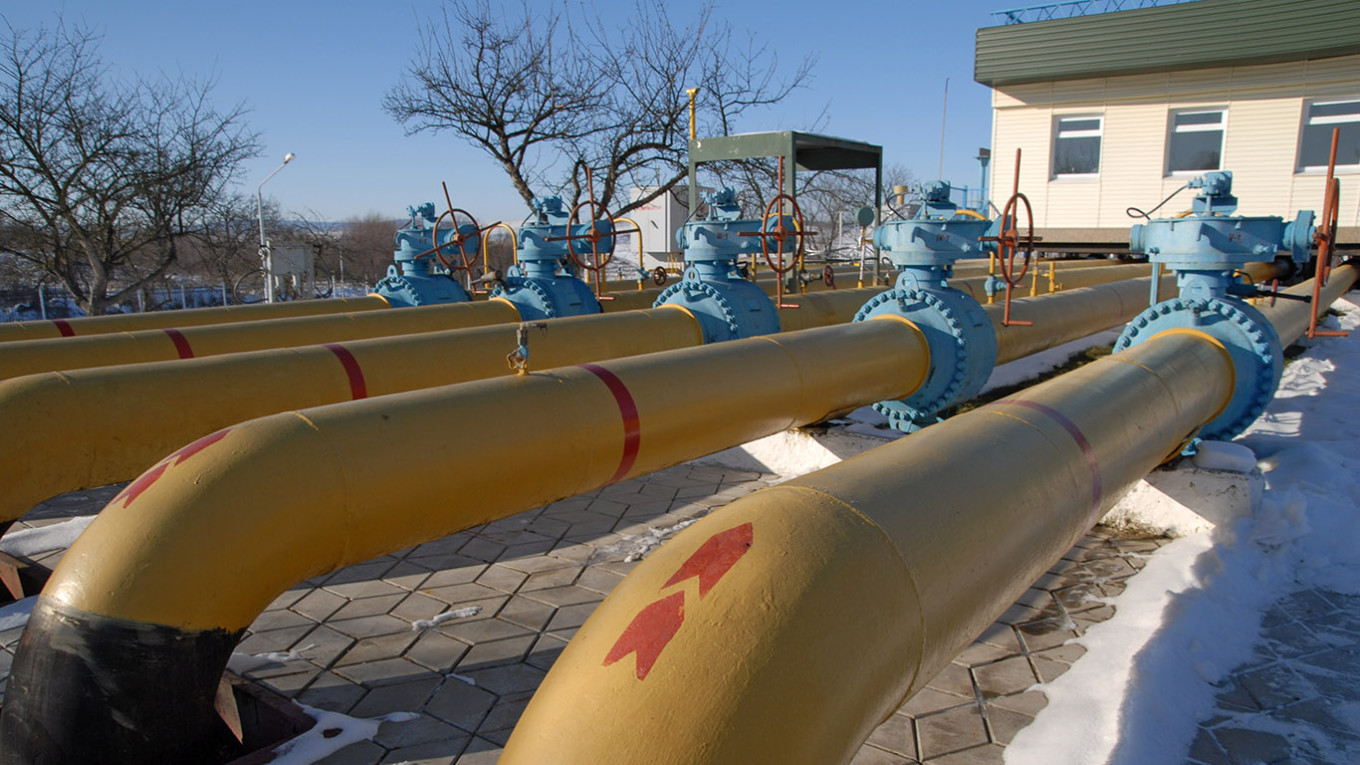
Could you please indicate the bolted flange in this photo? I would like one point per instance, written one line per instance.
(962, 350)
(730, 308)
(1251, 340)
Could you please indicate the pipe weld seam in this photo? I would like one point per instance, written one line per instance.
(908, 580)
(632, 426)
(181, 342)
(1088, 452)
(358, 388)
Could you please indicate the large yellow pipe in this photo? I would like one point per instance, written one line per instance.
(193, 317)
(34, 356)
(90, 427)
(785, 627)
(282, 498)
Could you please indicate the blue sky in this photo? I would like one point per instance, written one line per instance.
(313, 76)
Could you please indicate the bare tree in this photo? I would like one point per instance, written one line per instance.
(552, 100)
(105, 177)
(366, 244)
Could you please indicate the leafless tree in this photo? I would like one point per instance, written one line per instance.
(366, 243)
(552, 98)
(103, 177)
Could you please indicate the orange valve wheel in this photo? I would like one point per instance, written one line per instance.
(659, 276)
(829, 276)
(599, 258)
(458, 239)
(780, 233)
(1010, 238)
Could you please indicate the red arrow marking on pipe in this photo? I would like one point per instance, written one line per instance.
(649, 633)
(357, 387)
(64, 327)
(145, 480)
(181, 342)
(632, 430)
(1087, 450)
(714, 558)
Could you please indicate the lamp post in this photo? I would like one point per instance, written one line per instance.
(265, 259)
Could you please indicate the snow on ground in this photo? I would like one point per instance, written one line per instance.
(26, 543)
(1194, 613)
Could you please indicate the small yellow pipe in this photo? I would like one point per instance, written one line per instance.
(193, 317)
(642, 266)
(486, 241)
(786, 626)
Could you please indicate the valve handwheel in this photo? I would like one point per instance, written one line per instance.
(457, 239)
(829, 276)
(659, 276)
(1009, 240)
(780, 233)
(599, 258)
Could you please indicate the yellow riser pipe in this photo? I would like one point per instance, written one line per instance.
(786, 626)
(34, 356)
(838, 595)
(192, 317)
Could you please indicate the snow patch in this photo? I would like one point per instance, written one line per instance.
(26, 543)
(447, 616)
(333, 731)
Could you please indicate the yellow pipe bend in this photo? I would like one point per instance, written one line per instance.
(838, 595)
(192, 317)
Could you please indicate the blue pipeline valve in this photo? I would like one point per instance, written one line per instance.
(727, 306)
(417, 278)
(1206, 248)
(958, 331)
(544, 283)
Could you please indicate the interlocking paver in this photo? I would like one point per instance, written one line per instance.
(537, 577)
(950, 731)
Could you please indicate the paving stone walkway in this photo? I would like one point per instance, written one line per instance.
(463, 629)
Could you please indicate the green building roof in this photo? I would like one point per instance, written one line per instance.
(1196, 35)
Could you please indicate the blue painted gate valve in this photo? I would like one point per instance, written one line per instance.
(544, 283)
(1207, 247)
(712, 288)
(960, 335)
(418, 278)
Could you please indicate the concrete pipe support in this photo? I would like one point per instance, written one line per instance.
(121, 658)
(193, 317)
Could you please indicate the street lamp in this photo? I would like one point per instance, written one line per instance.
(265, 260)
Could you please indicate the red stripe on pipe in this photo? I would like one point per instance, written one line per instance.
(64, 327)
(357, 387)
(181, 343)
(1080, 438)
(632, 432)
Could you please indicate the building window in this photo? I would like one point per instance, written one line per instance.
(1315, 144)
(1076, 146)
(1196, 142)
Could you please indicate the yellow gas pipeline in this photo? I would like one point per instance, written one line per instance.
(286, 497)
(785, 627)
(90, 427)
(193, 317)
(34, 356)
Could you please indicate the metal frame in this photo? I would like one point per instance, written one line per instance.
(801, 151)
